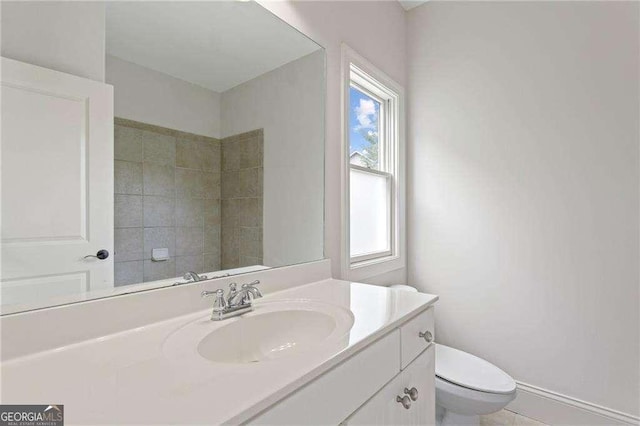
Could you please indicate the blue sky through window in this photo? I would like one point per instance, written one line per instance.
(363, 118)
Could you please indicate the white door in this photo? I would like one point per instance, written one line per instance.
(384, 409)
(57, 185)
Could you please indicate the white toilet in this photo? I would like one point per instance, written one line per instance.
(467, 386)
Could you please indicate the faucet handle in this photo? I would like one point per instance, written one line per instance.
(211, 293)
(220, 304)
(251, 291)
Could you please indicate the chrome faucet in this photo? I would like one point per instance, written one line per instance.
(189, 276)
(190, 279)
(237, 302)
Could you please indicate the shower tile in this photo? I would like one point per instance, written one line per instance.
(250, 212)
(159, 238)
(159, 180)
(229, 213)
(190, 264)
(250, 234)
(250, 241)
(212, 262)
(229, 238)
(229, 258)
(127, 244)
(212, 213)
(189, 183)
(229, 247)
(188, 154)
(249, 182)
(159, 270)
(127, 177)
(248, 261)
(173, 185)
(230, 156)
(159, 211)
(159, 148)
(251, 152)
(230, 184)
(210, 155)
(211, 182)
(212, 238)
(189, 240)
(128, 211)
(126, 273)
(189, 212)
(127, 143)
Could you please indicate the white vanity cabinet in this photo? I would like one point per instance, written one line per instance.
(384, 408)
(363, 389)
(352, 377)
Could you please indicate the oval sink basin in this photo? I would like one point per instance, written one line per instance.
(273, 330)
(266, 336)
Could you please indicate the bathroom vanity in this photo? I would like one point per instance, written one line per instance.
(182, 161)
(389, 381)
(407, 398)
(324, 352)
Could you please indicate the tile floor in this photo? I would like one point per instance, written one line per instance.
(508, 418)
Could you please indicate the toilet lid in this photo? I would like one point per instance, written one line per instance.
(471, 372)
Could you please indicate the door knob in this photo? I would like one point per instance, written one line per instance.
(413, 393)
(404, 400)
(427, 336)
(101, 254)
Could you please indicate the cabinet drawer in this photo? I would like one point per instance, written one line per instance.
(333, 396)
(384, 409)
(412, 344)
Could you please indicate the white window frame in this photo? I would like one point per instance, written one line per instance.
(356, 69)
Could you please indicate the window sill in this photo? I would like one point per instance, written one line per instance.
(371, 268)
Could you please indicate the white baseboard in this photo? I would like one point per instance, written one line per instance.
(556, 409)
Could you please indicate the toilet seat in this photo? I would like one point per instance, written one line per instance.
(468, 401)
(469, 371)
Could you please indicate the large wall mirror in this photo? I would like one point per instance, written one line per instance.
(217, 159)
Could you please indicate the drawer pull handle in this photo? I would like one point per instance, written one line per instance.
(413, 393)
(427, 336)
(404, 400)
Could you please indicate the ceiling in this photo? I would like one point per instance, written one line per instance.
(410, 4)
(217, 45)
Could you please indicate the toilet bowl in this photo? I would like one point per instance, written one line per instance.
(468, 386)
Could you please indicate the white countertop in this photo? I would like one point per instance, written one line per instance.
(127, 378)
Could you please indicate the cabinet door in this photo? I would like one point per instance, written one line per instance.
(410, 334)
(332, 396)
(383, 409)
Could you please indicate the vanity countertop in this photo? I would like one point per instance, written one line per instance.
(127, 378)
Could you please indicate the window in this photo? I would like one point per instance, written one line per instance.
(374, 190)
(370, 182)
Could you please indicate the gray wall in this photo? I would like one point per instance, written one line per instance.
(61, 35)
(358, 24)
(167, 194)
(152, 97)
(523, 188)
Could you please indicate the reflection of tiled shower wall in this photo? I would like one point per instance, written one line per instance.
(167, 194)
(242, 194)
